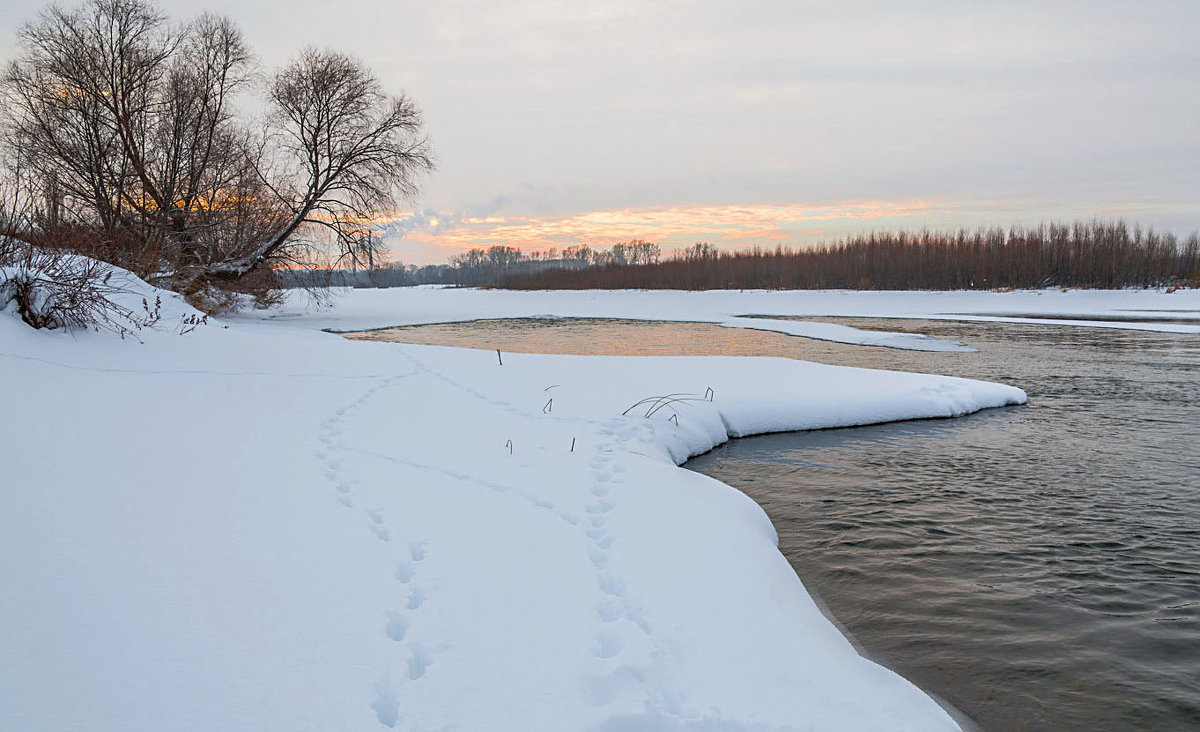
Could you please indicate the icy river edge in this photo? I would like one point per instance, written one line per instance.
(265, 527)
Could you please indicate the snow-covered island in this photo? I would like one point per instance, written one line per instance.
(257, 525)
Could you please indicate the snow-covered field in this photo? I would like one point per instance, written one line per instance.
(260, 526)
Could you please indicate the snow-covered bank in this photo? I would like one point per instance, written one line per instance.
(265, 527)
(1154, 310)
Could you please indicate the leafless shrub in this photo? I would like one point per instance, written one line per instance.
(52, 287)
(55, 289)
(189, 323)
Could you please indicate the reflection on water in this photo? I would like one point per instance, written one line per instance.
(601, 337)
(1038, 567)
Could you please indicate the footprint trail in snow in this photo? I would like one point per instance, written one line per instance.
(624, 646)
(399, 621)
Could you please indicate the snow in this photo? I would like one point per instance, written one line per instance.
(259, 526)
(846, 334)
(364, 309)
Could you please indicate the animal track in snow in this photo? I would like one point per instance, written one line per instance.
(404, 621)
(619, 616)
(419, 661)
(397, 626)
(601, 506)
(634, 614)
(331, 447)
(609, 610)
(607, 645)
(386, 703)
(611, 585)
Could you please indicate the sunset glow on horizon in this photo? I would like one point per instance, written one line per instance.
(669, 226)
(434, 236)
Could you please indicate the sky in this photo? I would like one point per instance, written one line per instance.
(763, 123)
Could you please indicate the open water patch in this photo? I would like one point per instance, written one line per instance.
(1038, 568)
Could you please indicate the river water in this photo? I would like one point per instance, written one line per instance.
(1036, 567)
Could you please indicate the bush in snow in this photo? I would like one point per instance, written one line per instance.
(56, 289)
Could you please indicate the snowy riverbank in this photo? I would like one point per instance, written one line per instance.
(254, 526)
(1153, 310)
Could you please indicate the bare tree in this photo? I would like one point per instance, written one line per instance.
(131, 122)
(347, 150)
(202, 150)
(75, 104)
(130, 128)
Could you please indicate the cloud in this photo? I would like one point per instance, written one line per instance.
(400, 225)
(732, 224)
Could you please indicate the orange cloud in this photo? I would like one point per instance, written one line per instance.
(670, 226)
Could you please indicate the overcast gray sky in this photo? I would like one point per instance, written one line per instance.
(765, 122)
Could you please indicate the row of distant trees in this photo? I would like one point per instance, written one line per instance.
(1086, 254)
(1100, 254)
(478, 266)
(493, 264)
(389, 274)
(122, 137)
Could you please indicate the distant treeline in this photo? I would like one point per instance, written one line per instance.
(391, 274)
(1097, 254)
(495, 264)
(480, 266)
